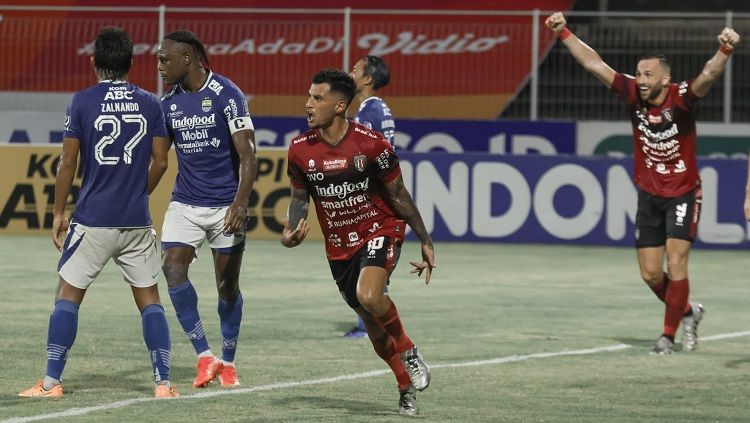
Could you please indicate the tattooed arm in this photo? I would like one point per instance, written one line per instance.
(299, 206)
(406, 209)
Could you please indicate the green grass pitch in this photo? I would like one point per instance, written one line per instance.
(524, 305)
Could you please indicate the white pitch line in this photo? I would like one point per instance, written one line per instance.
(724, 336)
(208, 394)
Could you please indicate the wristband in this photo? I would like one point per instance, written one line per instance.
(565, 33)
(726, 50)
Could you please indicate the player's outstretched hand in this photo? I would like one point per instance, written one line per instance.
(427, 264)
(556, 22)
(60, 226)
(729, 38)
(292, 238)
(747, 207)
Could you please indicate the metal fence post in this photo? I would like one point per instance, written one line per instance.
(728, 79)
(162, 18)
(347, 37)
(534, 103)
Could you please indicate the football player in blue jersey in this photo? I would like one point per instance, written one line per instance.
(118, 130)
(209, 124)
(371, 74)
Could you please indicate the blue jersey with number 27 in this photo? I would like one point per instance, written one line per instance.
(115, 123)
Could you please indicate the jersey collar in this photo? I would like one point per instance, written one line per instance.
(362, 105)
(205, 83)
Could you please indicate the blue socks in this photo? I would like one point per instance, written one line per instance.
(230, 316)
(185, 302)
(63, 327)
(158, 342)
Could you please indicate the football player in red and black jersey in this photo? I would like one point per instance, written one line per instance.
(666, 175)
(353, 176)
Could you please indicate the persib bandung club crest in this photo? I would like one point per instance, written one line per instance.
(360, 162)
(206, 105)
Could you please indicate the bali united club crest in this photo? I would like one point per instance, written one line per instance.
(667, 113)
(360, 162)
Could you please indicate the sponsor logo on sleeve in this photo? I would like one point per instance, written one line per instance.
(384, 160)
(683, 88)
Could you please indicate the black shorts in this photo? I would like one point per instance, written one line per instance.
(382, 252)
(659, 218)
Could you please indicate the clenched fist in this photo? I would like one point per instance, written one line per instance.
(728, 38)
(555, 22)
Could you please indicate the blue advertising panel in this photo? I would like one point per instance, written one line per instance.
(455, 136)
(558, 200)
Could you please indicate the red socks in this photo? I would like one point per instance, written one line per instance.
(391, 323)
(386, 350)
(676, 298)
(661, 288)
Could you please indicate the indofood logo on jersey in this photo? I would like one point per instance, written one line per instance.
(192, 122)
(342, 190)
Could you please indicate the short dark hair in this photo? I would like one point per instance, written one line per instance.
(663, 61)
(113, 53)
(340, 82)
(376, 68)
(187, 37)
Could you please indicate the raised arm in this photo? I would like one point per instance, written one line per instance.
(244, 144)
(404, 206)
(585, 55)
(299, 206)
(728, 39)
(66, 171)
(159, 162)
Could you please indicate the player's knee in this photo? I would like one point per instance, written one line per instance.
(369, 300)
(229, 289)
(652, 277)
(677, 264)
(174, 272)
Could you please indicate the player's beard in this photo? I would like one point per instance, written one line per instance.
(653, 93)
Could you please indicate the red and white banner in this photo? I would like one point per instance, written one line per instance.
(442, 65)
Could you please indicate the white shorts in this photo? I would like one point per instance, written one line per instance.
(86, 250)
(190, 225)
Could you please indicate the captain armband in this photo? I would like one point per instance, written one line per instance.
(240, 124)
